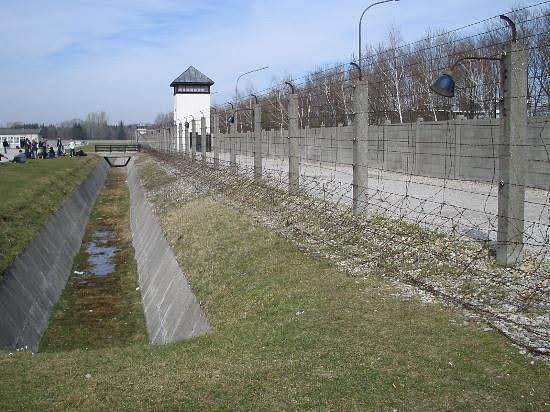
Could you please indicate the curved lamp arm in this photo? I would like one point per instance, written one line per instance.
(244, 74)
(358, 68)
(361, 20)
(291, 87)
(453, 67)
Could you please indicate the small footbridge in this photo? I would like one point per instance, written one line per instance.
(117, 155)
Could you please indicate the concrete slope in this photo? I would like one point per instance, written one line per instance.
(31, 285)
(172, 311)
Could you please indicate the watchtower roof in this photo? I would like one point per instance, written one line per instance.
(192, 76)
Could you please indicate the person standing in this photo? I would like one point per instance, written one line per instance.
(27, 147)
(41, 150)
(71, 147)
(34, 152)
(6, 145)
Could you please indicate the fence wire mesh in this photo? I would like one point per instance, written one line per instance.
(434, 170)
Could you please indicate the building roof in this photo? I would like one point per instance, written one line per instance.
(192, 76)
(18, 132)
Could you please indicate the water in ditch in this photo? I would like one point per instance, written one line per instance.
(101, 253)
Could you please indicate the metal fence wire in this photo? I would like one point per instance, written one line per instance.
(380, 175)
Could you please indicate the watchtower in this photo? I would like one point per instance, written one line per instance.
(191, 97)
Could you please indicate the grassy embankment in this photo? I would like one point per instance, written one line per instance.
(31, 193)
(287, 332)
(99, 311)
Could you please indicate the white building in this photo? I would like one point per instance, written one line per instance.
(192, 98)
(14, 136)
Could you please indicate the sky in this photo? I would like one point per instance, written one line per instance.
(63, 59)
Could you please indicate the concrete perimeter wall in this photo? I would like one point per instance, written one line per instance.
(31, 285)
(172, 311)
(456, 149)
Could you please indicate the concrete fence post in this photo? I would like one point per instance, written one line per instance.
(324, 147)
(512, 157)
(173, 137)
(232, 135)
(269, 142)
(176, 138)
(193, 138)
(245, 138)
(257, 142)
(215, 131)
(203, 138)
(339, 143)
(293, 148)
(417, 144)
(459, 124)
(183, 139)
(180, 138)
(187, 140)
(360, 146)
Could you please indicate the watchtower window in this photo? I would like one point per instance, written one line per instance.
(192, 89)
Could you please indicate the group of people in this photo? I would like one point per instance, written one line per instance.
(37, 150)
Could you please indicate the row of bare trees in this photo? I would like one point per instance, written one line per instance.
(399, 76)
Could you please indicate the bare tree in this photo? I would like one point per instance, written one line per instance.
(164, 120)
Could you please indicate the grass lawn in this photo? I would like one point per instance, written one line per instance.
(288, 331)
(31, 193)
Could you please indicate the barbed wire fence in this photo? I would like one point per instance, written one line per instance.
(456, 204)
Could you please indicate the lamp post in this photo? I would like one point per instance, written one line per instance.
(237, 88)
(511, 149)
(361, 19)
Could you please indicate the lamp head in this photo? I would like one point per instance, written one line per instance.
(444, 85)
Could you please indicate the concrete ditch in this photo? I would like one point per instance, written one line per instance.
(172, 312)
(31, 285)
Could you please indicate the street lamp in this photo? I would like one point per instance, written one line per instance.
(361, 19)
(512, 158)
(444, 85)
(237, 88)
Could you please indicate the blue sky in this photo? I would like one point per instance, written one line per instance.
(64, 59)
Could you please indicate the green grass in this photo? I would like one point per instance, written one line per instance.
(31, 193)
(99, 311)
(287, 332)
